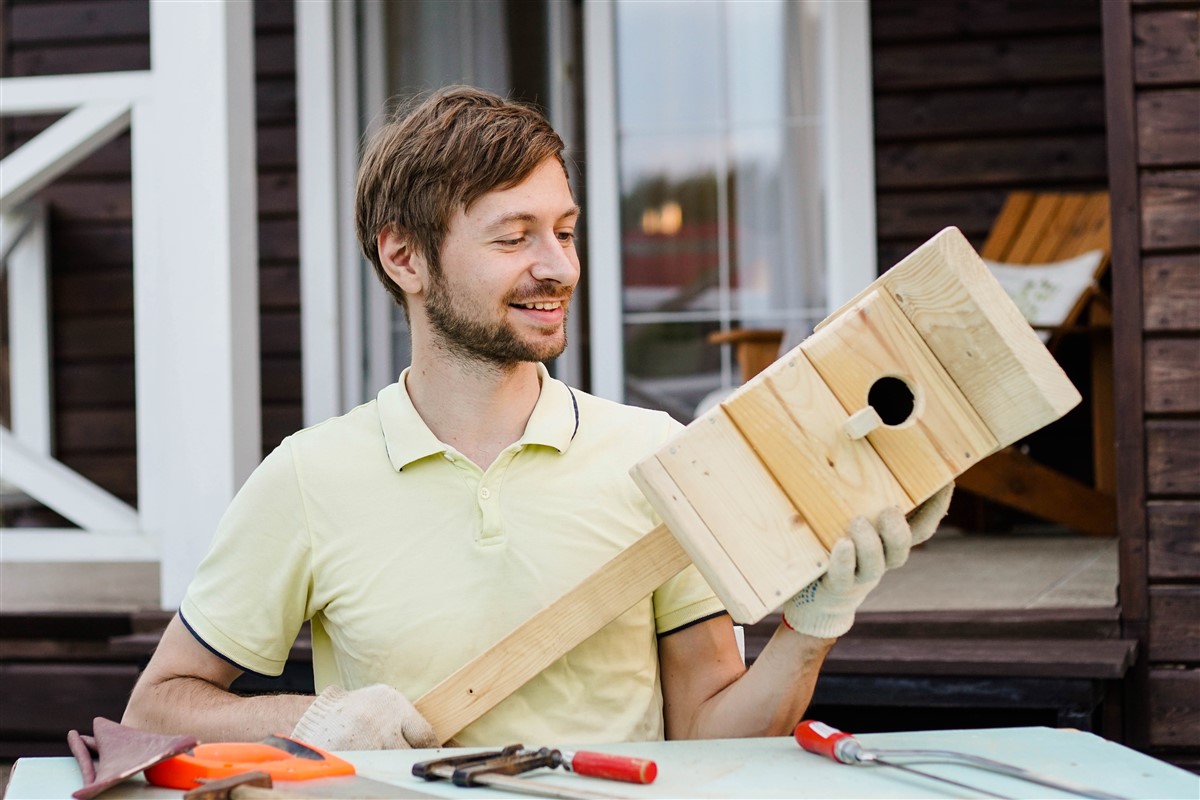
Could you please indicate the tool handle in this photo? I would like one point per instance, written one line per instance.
(826, 740)
(615, 768)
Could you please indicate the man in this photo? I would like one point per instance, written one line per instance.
(421, 527)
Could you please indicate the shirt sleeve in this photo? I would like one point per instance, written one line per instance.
(250, 594)
(684, 599)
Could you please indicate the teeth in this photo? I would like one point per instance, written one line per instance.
(541, 306)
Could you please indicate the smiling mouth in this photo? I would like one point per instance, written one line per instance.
(540, 306)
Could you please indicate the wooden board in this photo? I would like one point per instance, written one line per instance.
(795, 425)
(535, 644)
(979, 337)
(759, 487)
(943, 436)
(763, 536)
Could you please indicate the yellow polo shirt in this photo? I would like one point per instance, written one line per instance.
(410, 560)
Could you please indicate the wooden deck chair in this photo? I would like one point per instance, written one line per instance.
(1050, 250)
(1064, 240)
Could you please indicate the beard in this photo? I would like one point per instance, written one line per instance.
(493, 342)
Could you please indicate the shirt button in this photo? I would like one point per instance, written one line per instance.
(485, 493)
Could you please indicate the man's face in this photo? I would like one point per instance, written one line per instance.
(508, 268)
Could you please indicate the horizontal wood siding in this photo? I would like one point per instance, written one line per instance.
(1159, 88)
(91, 232)
(974, 99)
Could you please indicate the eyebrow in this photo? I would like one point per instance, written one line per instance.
(525, 216)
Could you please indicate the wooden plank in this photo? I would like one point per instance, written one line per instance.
(117, 56)
(101, 292)
(279, 420)
(1173, 548)
(94, 430)
(1171, 293)
(113, 471)
(279, 287)
(535, 644)
(1169, 203)
(1100, 659)
(1164, 47)
(943, 435)
(279, 240)
(92, 246)
(1174, 707)
(1007, 226)
(276, 147)
(988, 111)
(82, 385)
(1011, 162)
(93, 337)
(279, 333)
(1173, 376)
(919, 215)
(1169, 128)
(795, 425)
(1173, 457)
(697, 539)
(47, 699)
(979, 337)
(748, 514)
(1091, 229)
(904, 20)
(1015, 479)
(281, 380)
(1035, 60)
(81, 20)
(1039, 224)
(89, 200)
(1174, 632)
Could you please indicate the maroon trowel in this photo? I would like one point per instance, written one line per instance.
(121, 752)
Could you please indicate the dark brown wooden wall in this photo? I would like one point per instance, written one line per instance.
(1153, 57)
(975, 98)
(91, 231)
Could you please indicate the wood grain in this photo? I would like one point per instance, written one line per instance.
(1173, 376)
(1173, 457)
(1174, 707)
(1166, 47)
(1169, 201)
(1174, 632)
(535, 644)
(1169, 127)
(1171, 292)
(1173, 546)
(795, 425)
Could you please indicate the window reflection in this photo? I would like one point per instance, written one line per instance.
(720, 191)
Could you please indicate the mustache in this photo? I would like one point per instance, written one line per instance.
(542, 290)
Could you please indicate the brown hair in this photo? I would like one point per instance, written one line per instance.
(440, 152)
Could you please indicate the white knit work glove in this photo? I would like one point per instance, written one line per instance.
(825, 608)
(372, 718)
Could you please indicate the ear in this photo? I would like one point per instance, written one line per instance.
(400, 260)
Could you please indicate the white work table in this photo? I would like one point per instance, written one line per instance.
(761, 768)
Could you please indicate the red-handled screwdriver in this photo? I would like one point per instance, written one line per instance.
(825, 740)
(606, 765)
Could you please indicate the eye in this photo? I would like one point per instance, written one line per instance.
(510, 242)
(566, 237)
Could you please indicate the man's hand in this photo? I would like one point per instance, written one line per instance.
(825, 608)
(372, 718)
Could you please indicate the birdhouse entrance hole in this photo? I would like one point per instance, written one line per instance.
(892, 400)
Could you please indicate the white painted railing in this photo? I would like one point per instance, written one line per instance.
(191, 123)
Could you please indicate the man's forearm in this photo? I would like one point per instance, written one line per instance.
(192, 706)
(771, 697)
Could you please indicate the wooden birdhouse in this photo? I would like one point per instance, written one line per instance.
(928, 370)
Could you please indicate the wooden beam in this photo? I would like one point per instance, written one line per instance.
(548, 635)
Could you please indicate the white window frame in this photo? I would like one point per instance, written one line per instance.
(847, 168)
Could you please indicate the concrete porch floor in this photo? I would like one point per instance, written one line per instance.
(1031, 568)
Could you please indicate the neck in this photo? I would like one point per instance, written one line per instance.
(477, 408)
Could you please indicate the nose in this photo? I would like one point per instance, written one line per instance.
(554, 262)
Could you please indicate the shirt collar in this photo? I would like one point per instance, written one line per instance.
(553, 423)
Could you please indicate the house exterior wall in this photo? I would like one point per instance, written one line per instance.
(90, 212)
(1153, 96)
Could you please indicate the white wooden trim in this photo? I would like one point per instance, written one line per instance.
(29, 336)
(378, 305)
(13, 227)
(58, 148)
(847, 149)
(320, 322)
(55, 545)
(62, 489)
(349, 264)
(46, 94)
(603, 204)
(196, 279)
